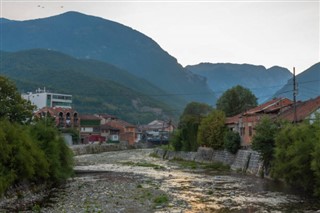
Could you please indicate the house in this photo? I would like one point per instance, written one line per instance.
(156, 130)
(244, 123)
(305, 110)
(110, 133)
(90, 129)
(127, 131)
(64, 117)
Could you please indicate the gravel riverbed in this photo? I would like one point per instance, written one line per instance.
(132, 181)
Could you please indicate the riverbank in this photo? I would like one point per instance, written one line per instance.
(136, 181)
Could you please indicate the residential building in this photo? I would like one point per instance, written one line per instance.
(156, 131)
(90, 129)
(42, 98)
(244, 123)
(110, 133)
(64, 117)
(127, 131)
(305, 110)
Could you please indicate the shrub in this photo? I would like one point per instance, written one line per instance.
(232, 141)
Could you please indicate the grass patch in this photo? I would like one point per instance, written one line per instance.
(142, 164)
(167, 147)
(216, 166)
(161, 199)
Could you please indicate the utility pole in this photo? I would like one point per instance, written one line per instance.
(294, 96)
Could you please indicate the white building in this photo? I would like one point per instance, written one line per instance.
(43, 98)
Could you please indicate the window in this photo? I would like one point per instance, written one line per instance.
(250, 130)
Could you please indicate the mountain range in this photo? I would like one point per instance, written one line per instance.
(90, 37)
(112, 68)
(308, 85)
(261, 81)
(95, 86)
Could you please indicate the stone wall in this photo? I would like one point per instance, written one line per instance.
(245, 160)
(95, 148)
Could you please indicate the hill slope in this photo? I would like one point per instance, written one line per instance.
(94, 85)
(308, 83)
(261, 81)
(91, 37)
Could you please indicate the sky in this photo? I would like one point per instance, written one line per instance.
(284, 33)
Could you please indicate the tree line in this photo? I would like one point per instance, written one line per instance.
(289, 152)
(31, 151)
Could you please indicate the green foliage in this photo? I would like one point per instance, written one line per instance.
(176, 140)
(236, 100)
(56, 151)
(29, 152)
(12, 106)
(264, 139)
(196, 109)
(20, 158)
(185, 137)
(296, 156)
(212, 130)
(161, 199)
(88, 81)
(232, 141)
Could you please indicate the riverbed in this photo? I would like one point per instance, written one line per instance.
(136, 181)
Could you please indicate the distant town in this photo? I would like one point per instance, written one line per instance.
(106, 128)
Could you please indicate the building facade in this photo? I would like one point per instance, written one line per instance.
(42, 98)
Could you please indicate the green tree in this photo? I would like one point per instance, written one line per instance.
(294, 145)
(212, 130)
(196, 109)
(12, 106)
(59, 156)
(20, 158)
(264, 140)
(185, 137)
(232, 141)
(236, 100)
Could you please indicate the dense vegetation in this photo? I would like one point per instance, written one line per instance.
(297, 156)
(291, 152)
(96, 87)
(236, 100)
(33, 152)
(201, 125)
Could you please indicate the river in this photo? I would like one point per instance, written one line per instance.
(135, 181)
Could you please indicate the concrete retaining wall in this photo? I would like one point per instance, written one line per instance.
(245, 160)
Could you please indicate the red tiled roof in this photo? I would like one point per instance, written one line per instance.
(303, 109)
(106, 116)
(89, 117)
(55, 110)
(233, 120)
(119, 123)
(270, 106)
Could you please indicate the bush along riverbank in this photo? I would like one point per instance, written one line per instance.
(33, 158)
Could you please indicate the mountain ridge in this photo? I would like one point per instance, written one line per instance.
(261, 81)
(84, 36)
(93, 84)
(308, 83)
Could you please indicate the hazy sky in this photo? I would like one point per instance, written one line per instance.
(284, 33)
